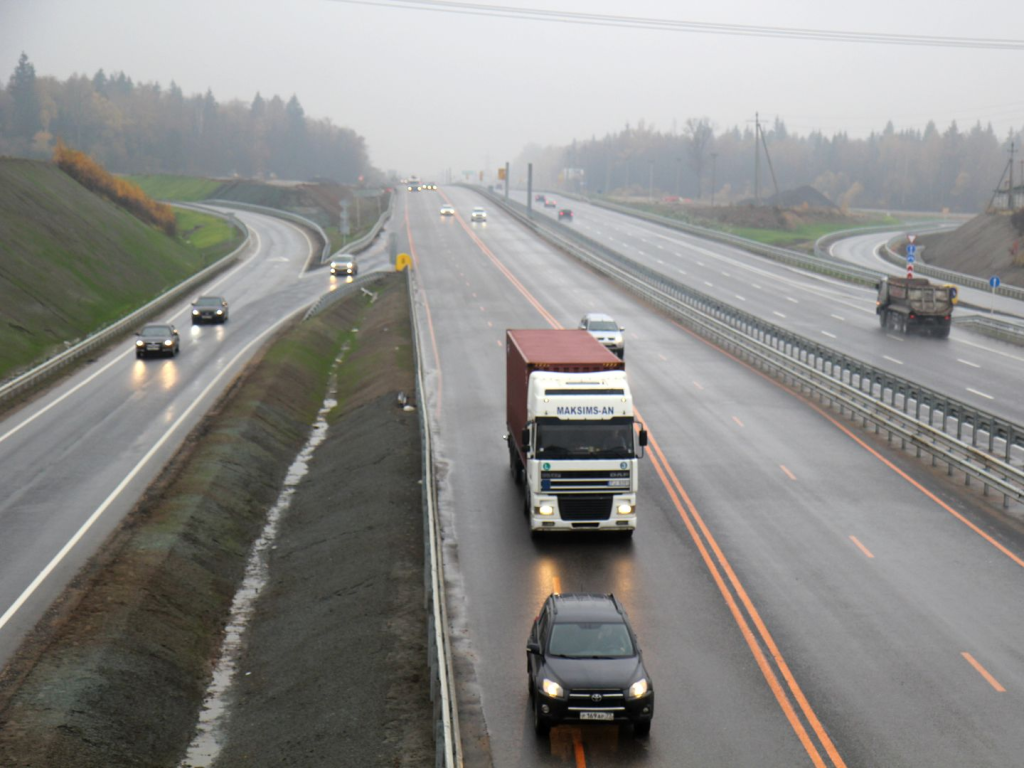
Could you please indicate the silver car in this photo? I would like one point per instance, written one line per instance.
(343, 264)
(478, 214)
(604, 328)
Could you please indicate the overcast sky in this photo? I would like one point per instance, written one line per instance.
(431, 91)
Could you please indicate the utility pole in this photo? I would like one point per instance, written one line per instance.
(714, 159)
(650, 183)
(757, 160)
(1009, 191)
(529, 190)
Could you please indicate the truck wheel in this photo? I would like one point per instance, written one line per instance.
(942, 333)
(883, 319)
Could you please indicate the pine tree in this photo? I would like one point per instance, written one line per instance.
(22, 87)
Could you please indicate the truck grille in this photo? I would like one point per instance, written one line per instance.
(585, 507)
(615, 481)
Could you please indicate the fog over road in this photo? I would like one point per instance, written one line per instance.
(803, 594)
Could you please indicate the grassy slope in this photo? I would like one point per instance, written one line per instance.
(180, 188)
(71, 262)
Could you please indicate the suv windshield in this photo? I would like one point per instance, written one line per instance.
(590, 640)
(612, 439)
(602, 325)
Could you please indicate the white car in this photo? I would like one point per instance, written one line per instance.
(604, 328)
(478, 214)
(447, 209)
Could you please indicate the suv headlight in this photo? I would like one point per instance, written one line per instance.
(140, 343)
(553, 689)
(168, 342)
(638, 689)
(195, 311)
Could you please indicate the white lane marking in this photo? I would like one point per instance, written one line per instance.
(895, 338)
(662, 247)
(838, 317)
(642, 253)
(741, 298)
(726, 274)
(14, 430)
(682, 271)
(893, 360)
(968, 362)
(73, 541)
(982, 394)
(661, 262)
(830, 335)
(987, 349)
(778, 313)
(709, 285)
(790, 298)
(309, 242)
(700, 263)
(755, 286)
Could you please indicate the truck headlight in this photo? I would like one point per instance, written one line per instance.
(553, 689)
(545, 509)
(625, 509)
(638, 689)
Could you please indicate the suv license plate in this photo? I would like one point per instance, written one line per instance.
(596, 716)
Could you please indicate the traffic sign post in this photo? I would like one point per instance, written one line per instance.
(994, 282)
(911, 258)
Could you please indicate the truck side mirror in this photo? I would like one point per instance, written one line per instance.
(878, 285)
(524, 439)
(643, 438)
(533, 647)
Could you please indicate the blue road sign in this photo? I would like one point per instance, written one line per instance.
(911, 250)
(994, 281)
(911, 258)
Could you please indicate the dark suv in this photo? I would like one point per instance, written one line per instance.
(584, 665)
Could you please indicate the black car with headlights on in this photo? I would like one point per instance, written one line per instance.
(584, 665)
(209, 309)
(157, 339)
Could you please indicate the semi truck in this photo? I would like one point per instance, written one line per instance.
(907, 304)
(572, 433)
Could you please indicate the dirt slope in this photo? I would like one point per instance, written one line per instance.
(987, 245)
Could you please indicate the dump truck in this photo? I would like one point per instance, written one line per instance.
(573, 437)
(912, 304)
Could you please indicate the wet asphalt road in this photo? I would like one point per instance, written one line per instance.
(804, 595)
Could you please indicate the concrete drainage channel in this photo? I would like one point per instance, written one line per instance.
(928, 421)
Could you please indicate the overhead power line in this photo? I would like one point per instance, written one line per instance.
(693, 27)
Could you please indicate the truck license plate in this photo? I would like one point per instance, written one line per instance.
(596, 716)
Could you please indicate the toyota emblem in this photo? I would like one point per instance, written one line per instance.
(596, 697)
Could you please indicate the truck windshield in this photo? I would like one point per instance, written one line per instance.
(612, 439)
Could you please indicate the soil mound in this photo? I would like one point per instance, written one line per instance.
(989, 244)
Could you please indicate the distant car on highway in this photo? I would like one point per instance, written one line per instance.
(565, 214)
(157, 339)
(604, 328)
(549, 203)
(430, 185)
(414, 187)
(344, 264)
(584, 665)
(209, 309)
(538, 198)
(447, 209)
(478, 214)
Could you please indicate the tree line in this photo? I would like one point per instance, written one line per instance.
(134, 127)
(924, 170)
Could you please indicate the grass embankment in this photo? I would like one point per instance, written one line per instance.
(185, 189)
(211, 237)
(124, 667)
(796, 228)
(72, 262)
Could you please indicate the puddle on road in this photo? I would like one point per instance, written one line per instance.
(211, 728)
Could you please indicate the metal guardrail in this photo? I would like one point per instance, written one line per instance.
(40, 373)
(363, 242)
(991, 326)
(447, 738)
(342, 291)
(281, 214)
(899, 406)
(947, 275)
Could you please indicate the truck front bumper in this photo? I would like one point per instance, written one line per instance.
(550, 513)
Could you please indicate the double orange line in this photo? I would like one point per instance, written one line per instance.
(787, 691)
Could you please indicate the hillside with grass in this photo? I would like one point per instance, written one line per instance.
(72, 262)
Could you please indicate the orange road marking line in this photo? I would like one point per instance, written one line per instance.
(697, 385)
(983, 672)
(785, 469)
(577, 747)
(663, 357)
(769, 675)
(738, 422)
(863, 549)
(430, 319)
(846, 431)
(499, 343)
